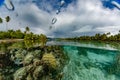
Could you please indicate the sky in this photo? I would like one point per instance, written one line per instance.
(62, 18)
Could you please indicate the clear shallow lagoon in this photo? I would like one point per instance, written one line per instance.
(85, 60)
(90, 61)
(89, 64)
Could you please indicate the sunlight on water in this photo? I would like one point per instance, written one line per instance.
(88, 64)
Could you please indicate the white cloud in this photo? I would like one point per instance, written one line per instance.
(84, 17)
(88, 16)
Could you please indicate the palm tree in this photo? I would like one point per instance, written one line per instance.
(27, 29)
(1, 21)
(43, 40)
(7, 18)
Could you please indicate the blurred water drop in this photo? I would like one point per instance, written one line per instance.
(58, 11)
(54, 20)
(9, 5)
(34, 1)
(16, 14)
(20, 24)
(62, 3)
(50, 27)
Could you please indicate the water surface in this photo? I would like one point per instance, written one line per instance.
(85, 60)
(90, 60)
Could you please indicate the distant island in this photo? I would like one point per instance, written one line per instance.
(96, 37)
(27, 35)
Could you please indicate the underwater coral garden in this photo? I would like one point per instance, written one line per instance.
(34, 63)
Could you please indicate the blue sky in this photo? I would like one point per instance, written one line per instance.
(74, 17)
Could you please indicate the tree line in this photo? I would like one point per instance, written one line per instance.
(97, 37)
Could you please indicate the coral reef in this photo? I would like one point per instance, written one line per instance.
(33, 64)
(4, 60)
(50, 60)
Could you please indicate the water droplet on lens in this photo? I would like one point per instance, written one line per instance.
(16, 14)
(54, 20)
(58, 11)
(50, 27)
(9, 5)
(62, 3)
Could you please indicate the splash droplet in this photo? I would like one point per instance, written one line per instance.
(9, 5)
(54, 20)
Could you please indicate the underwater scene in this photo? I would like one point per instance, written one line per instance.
(59, 61)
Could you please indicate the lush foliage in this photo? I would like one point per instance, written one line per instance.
(18, 34)
(11, 34)
(31, 39)
(97, 37)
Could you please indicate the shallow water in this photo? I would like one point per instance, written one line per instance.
(84, 60)
(86, 63)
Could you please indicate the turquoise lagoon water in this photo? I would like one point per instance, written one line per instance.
(90, 61)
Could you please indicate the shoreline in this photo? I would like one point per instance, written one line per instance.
(10, 40)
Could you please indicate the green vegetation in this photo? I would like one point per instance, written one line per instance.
(30, 39)
(97, 37)
(27, 29)
(33, 39)
(27, 35)
(11, 34)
